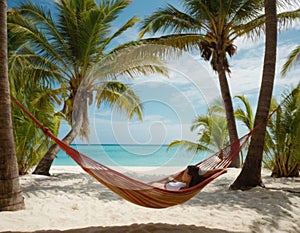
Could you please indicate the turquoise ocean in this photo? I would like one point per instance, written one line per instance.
(132, 155)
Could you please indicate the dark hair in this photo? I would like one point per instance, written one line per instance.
(193, 171)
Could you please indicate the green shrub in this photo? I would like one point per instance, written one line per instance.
(284, 145)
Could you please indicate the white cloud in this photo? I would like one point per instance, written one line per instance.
(244, 43)
(172, 103)
(247, 68)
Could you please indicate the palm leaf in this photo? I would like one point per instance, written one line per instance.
(292, 59)
(121, 97)
(245, 116)
(170, 19)
(188, 146)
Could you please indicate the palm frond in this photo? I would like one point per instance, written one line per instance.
(31, 143)
(119, 96)
(131, 62)
(200, 122)
(287, 18)
(188, 146)
(131, 22)
(256, 27)
(245, 116)
(251, 29)
(292, 60)
(32, 21)
(186, 42)
(245, 11)
(113, 8)
(169, 19)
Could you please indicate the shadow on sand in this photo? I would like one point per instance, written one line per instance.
(138, 228)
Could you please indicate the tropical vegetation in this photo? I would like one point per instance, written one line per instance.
(31, 143)
(78, 45)
(281, 148)
(24, 76)
(284, 127)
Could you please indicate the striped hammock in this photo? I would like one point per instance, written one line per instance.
(152, 195)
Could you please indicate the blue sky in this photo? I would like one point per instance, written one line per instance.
(171, 104)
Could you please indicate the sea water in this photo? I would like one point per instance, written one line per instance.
(132, 155)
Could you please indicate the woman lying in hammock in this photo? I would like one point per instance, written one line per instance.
(191, 176)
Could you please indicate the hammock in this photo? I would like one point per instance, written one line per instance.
(152, 195)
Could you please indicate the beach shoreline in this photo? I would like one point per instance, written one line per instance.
(72, 201)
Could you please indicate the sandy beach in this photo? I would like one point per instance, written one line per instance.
(72, 201)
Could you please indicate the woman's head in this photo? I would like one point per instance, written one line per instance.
(193, 172)
(191, 176)
(186, 177)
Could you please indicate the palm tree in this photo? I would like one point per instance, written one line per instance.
(11, 197)
(250, 175)
(212, 130)
(284, 127)
(211, 26)
(78, 46)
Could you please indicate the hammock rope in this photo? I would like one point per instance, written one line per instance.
(152, 195)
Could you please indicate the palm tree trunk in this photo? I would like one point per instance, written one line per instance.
(43, 167)
(228, 107)
(11, 197)
(250, 175)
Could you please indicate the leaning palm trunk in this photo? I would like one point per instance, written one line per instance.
(228, 107)
(43, 167)
(250, 175)
(11, 197)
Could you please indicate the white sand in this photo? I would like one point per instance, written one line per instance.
(71, 199)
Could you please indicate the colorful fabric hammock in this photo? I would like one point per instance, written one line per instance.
(152, 195)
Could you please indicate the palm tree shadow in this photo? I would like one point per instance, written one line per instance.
(83, 184)
(137, 228)
(272, 203)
